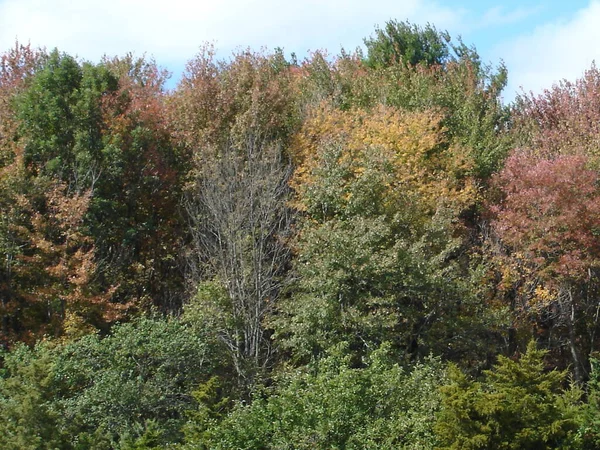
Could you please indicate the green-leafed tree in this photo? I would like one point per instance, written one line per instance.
(27, 391)
(329, 404)
(379, 244)
(130, 388)
(96, 209)
(409, 44)
(590, 425)
(517, 405)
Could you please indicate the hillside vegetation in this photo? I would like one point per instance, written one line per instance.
(354, 252)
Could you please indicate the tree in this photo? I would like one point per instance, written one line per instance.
(563, 120)
(547, 217)
(136, 216)
(89, 126)
(240, 221)
(331, 404)
(26, 395)
(17, 67)
(450, 79)
(221, 101)
(235, 119)
(376, 249)
(405, 43)
(56, 268)
(112, 388)
(590, 423)
(103, 393)
(517, 405)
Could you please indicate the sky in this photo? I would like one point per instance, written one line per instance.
(540, 42)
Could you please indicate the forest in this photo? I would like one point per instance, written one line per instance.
(368, 250)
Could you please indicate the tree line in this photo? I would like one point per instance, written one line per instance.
(362, 251)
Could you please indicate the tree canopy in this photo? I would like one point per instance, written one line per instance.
(363, 250)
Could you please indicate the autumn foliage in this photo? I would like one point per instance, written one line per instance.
(550, 213)
(363, 250)
(411, 147)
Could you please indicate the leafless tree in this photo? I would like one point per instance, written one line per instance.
(239, 221)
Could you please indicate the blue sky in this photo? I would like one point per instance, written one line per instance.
(541, 42)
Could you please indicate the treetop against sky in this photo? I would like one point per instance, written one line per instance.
(541, 42)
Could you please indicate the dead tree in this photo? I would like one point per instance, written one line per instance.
(239, 221)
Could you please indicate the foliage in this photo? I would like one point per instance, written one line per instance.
(26, 396)
(465, 92)
(549, 212)
(548, 216)
(234, 118)
(517, 405)
(129, 388)
(590, 424)
(57, 266)
(563, 120)
(408, 149)
(16, 69)
(143, 372)
(219, 102)
(136, 216)
(332, 405)
(82, 130)
(402, 42)
(313, 224)
(239, 222)
(375, 252)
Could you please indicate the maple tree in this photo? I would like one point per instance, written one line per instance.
(547, 215)
(548, 218)
(561, 120)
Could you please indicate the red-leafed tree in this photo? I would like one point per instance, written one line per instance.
(56, 268)
(17, 66)
(549, 216)
(564, 119)
(549, 220)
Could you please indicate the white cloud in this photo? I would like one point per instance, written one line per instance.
(172, 31)
(553, 52)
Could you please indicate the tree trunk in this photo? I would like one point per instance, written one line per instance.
(578, 366)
